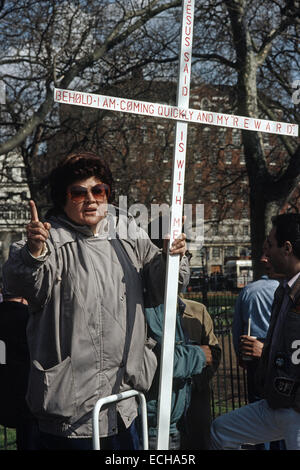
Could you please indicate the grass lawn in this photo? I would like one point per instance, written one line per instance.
(7, 439)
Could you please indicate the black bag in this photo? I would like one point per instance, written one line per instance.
(14, 362)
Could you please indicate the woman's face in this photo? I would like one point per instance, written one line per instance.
(86, 202)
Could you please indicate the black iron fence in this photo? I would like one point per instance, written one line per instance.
(228, 387)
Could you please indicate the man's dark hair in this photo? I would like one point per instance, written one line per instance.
(158, 229)
(75, 167)
(288, 229)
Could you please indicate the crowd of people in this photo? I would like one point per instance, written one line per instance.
(93, 310)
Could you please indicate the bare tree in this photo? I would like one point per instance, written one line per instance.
(68, 44)
(254, 47)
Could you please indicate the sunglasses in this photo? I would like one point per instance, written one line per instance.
(79, 194)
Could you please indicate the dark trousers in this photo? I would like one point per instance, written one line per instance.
(126, 439)
(195, 425)
(174, 442)
(27, 431)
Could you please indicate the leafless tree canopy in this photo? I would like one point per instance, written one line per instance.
(247, 50)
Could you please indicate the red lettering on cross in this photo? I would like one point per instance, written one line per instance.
(186, 57)
(180, 163)
(175, 234)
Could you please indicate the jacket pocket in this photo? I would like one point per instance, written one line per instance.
(149, 366)
(51, 392)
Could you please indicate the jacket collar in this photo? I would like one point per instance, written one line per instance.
(295, 290)
(116, 225)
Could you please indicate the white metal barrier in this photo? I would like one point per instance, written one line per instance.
(112, 399)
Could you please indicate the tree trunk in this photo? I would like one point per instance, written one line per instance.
(261, 213)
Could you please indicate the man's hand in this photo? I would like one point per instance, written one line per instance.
(37, 232)
(178, 246)
(208, 355)
(250, 346)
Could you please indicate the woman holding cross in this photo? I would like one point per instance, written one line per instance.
(85, 287)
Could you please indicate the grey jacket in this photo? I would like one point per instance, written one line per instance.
(87, 333)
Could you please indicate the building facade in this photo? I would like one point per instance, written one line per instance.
(14, 198)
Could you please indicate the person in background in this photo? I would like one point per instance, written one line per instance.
(195, 424)
(250, 326)
(14, 370)
(85, 273)
(190, 359)
(277, 415)
(196, 356)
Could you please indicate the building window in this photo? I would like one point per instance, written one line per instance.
(228, 156)
(145, 136)
(198, 178)
(245, 251)
(150, 155)
(214, 196)
(214, 212)
(266, 141)
(245, 230)
(205, 104)
(236, 137)
(215, 230)
(134, 192)
(222, 136)
(229, 251)
(215, 252)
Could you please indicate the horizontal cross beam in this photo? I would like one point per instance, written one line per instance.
(197, 116)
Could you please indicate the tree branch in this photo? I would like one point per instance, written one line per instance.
(216, 57)
(116, 37)
(284, 139)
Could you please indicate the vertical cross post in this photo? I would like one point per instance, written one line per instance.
(171, 288)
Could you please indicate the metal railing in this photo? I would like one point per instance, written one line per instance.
(113, 399)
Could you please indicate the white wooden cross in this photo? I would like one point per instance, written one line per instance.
(182, 114)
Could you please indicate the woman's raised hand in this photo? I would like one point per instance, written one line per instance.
(37, 232)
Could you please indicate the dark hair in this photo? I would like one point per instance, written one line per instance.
(75, 167)
(288, 229)
(158, 229)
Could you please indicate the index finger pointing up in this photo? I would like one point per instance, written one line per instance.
(33, 212)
